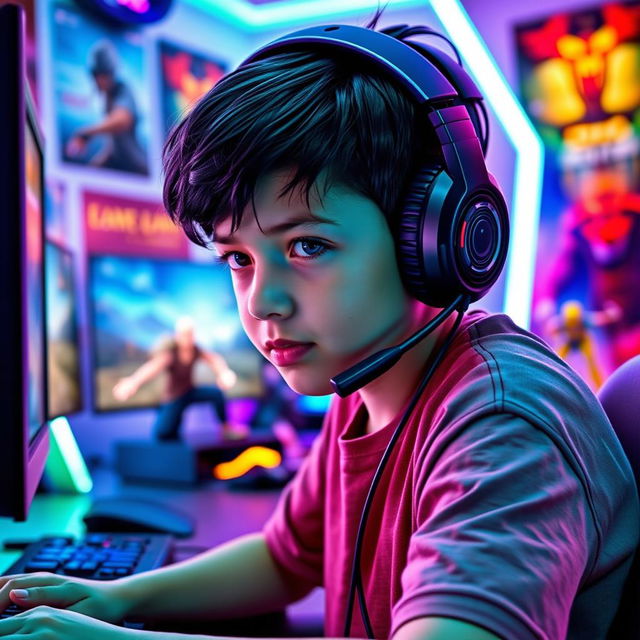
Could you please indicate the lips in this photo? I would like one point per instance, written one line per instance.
(287, 352)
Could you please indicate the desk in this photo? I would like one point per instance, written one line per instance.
(244, 512)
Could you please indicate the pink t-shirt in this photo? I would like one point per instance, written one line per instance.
(507, 503)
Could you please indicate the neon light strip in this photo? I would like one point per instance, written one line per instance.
(70, 455)
(246, 16)
(527, 187)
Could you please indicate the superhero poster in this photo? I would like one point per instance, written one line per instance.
(579, 78)
(186, 77)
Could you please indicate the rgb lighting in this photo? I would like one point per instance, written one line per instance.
(248, 17)
(247, 460)
(65, 467)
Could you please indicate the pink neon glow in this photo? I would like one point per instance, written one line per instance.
(139, 6)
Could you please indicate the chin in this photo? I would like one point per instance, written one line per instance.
(307, 384)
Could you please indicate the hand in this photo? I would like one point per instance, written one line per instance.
(124, 389)
(226, 379)
(76, 146)
(48, 623)
(99, 599)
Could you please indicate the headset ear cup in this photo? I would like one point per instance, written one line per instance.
(447, 246)
(409, 239)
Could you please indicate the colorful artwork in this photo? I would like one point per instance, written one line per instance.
(186, 77)
(580, 82)
(101, 93)
(126, 226)
(135, 305)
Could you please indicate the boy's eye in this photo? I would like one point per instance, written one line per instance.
(234, 259)
(309, 247)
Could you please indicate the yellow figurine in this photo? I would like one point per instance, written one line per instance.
(572, 327)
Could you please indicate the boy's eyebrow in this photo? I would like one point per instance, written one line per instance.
(296, 221)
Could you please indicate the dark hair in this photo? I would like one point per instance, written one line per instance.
(304, 110)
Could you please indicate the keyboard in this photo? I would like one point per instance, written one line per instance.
(97, 556)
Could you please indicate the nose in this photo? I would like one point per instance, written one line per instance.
(269, 296)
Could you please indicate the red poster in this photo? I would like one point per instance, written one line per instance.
(124, 226)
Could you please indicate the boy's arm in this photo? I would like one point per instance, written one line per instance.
(437, 628)
(429, 628)
(236, 579)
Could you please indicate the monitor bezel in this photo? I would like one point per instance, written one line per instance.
(22, 459)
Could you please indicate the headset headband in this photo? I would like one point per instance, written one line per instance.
(423, 80)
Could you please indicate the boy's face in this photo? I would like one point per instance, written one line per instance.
(333, 286)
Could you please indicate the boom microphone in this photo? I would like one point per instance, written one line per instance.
(375, 365)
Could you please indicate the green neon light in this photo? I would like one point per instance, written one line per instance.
(65, 468)
(527, 187)
(243, 15)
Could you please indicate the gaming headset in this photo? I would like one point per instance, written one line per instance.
(453, 229)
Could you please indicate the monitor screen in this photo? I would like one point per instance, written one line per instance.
(63, 351)
(136, 303)
(33, 274)
(24, 434)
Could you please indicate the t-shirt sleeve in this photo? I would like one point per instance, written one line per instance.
(502, 533)
(294, 532)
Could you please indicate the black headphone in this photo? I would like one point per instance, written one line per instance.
(453, 227)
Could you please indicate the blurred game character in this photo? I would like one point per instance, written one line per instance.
(121, 149)
(600, 245)
(572, 328)
(177, 360)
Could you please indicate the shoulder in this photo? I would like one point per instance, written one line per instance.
(494, 366)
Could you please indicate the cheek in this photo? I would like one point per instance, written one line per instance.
(360, 302)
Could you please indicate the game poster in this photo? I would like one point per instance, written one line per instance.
(101, 93)
(131, 226)
(186, 77)
(579, 78)
(135, 304)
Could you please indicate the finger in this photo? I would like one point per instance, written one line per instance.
(59, 596)
(26, 580)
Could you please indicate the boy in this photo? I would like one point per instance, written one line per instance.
(507, 509)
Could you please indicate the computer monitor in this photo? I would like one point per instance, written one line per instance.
(24, 436)
(63, 350)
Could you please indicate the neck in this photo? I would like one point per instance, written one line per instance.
(385, 396)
